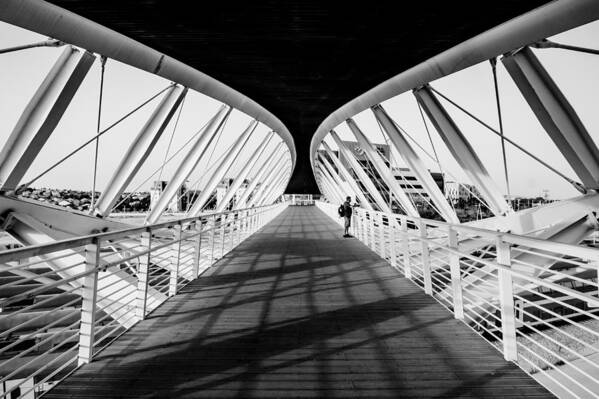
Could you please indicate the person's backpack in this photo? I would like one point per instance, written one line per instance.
(341, 211)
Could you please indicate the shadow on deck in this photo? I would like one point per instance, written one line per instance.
(298, 311)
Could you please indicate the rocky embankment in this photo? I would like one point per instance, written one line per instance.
(81, 200)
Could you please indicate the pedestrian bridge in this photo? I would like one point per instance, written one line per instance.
(215, 283)
(297, 311)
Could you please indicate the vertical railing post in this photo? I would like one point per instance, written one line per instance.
(392, 241)
(197, 252)
(426, 263)
(89, 295)
(372, 232)
(238, 227)
(363, 237)
(212, 238)
(143, 278)
(407, 267)
(175, 260)
(456, 275)
(506, 301)
(223, 229)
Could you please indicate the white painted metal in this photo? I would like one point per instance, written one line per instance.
(273, 168)
(271, 186)
(556, 115)
(358, 194)
(545, 21)
(243, 173)
(188, 164)
(362, 176)
(559, 349)
(384, 170)
(271, 160)
(140, 149)
(42, 114)
(462, 151)
(506, 301)
(92, 330)
(89, 295)
(411, 158)
(330, 171)
(330, 179)
(221, 170)
(42, 17)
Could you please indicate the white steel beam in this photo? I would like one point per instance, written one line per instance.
(358, 193)
(330, 180)
(188, 164)
(267, 197)
(221, 170)
(411, 158)
(335, 178)
(461, 150)
(140, 149)
(271, 176)
(277, 156)
(42, 114)
(268, 185)
(325, 187)
(241, 176)
(556, 114)
(383, 170)
(361, 174)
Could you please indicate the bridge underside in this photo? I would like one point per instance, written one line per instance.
(297, 311)
(300, 59)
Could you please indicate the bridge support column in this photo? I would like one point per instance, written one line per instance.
(383, 170)
(362, 176)
(89, 295)
(358, 194)
(188, 164)
(222, 169)
(143, 279)
(242, 175)
(175, 261)
(461, 150)
(556, 114)
(456, 275)
(410, 156)
(276, 156)
(41, 116)
(333, 186)
(506, 301)
(140, 149)
(334, 176)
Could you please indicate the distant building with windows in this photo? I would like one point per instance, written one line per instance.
(177, 204)
(455, 191)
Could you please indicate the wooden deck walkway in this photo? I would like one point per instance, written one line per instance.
(298, 311)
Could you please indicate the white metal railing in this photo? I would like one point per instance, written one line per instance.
(63, 302)
(534, 300)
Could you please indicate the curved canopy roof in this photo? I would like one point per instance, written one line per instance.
(300, 59)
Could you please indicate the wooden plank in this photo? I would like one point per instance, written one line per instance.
(298, 311)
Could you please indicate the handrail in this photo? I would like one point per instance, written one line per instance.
(120, 277)
(41, 249)
(504, 287)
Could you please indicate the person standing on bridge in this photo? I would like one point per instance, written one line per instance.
(346, 211)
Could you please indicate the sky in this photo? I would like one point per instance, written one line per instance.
(126, 87)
